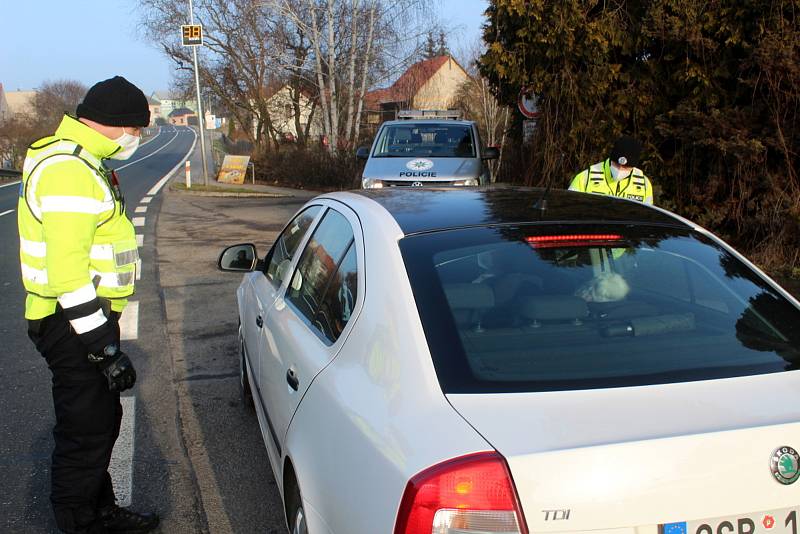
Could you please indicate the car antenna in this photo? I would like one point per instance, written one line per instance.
(541, 204)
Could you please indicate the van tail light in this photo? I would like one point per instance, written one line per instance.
(573, 240)
(470, 494)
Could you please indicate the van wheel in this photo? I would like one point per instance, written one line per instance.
(244, 382)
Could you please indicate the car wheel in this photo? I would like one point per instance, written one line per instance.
(297, 515)
(244, 382)
(299, 526)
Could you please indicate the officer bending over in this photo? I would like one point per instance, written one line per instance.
(618, 175)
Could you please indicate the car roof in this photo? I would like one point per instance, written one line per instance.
(419, 210)
(437, 122)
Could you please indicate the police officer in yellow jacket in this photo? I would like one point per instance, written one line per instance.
(78, 260)
(618, 175)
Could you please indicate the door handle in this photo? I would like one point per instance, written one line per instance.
(259, 321)
(292, 380)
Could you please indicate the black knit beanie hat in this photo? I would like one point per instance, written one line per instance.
(115, 102)
(626, 151)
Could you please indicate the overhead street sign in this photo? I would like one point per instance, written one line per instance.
(192, 34)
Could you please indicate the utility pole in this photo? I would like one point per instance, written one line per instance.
(199, 102)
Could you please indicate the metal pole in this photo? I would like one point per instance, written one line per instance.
(199, 103)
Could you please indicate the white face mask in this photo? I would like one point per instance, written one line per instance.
(129, 144)
(617, 173)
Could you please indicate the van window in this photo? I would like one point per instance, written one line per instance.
(429, 140)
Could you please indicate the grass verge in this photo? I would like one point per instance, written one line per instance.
(180, 186)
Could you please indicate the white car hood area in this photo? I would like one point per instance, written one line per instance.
(637, 457)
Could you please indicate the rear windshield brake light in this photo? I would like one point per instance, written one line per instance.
(572, 240)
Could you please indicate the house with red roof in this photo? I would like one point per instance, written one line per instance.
(429, 84)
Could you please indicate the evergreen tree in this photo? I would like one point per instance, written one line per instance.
(430, 47)
(711, 88)
(442, 50)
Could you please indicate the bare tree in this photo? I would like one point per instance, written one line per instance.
(16, 133)
(478, 103)
(52, 100)
(332, 49)
(239, 61)
(352, 40)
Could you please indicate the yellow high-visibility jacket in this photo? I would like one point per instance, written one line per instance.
(597, 179)
(76, 243)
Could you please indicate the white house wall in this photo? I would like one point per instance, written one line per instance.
(440, 90)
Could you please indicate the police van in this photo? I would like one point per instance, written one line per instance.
(426, 148)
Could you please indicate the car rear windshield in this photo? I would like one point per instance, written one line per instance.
(429, 140)
(562, 307)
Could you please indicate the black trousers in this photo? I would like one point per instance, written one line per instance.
(88, 419)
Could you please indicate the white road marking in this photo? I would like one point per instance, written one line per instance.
(141, 209)
(121, 467)
(138, 221)
(152, 138)
(129, 322)
(156, 188)
(6, 212)
(139, 240)
(10, 184)
(149, 155)
(146, 200)
(139, 269)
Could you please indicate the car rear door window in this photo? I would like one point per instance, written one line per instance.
(279, 260)
(340, 298)
(318, 293)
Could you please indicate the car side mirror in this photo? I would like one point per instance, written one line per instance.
(238, 258)
(490, 152)
(362, 152)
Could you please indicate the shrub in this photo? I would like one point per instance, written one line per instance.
(310, 168)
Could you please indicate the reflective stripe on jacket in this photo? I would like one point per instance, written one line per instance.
(76, 243)
(597, 179)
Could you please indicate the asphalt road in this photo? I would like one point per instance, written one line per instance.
(155, 455)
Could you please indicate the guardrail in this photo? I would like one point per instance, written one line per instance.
(10, 173)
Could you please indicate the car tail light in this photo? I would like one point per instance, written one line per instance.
(470, 494)
(572, 240)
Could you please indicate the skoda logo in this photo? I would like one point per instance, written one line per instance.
(419, 164)
(416, 184)
(785, 465)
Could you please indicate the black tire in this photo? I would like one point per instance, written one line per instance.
(244, 381)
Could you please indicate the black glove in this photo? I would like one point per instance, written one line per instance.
(116, 367)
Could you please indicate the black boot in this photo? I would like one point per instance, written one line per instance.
(122, 520)
(81, 520)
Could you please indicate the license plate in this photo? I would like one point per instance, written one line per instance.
(772, 522)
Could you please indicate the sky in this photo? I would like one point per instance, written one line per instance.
(91, 40)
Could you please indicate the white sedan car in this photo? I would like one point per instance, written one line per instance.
(460, 362)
